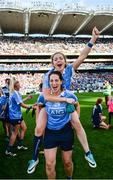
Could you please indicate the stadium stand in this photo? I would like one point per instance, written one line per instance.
(47, 17)
(29, 57)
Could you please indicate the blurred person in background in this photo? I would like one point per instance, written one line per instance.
(98, 119)
(107, 91)
(6, 124)
(3, 103)
(16, 119)
(110, 108)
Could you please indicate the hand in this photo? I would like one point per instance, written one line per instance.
(33, 112)
(95, 34)
(70, 100)
(28, 109)
(29, 97)
(34, 106)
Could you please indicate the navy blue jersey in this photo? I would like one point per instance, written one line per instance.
(5, 90)
(97, 111)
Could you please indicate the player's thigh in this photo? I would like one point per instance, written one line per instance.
(23, 125)
(42, 117)
(41, 122)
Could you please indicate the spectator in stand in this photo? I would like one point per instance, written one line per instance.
(107, 91)
(97, 116)
(110, 108)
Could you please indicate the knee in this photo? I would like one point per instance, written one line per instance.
(24, 128)
(50, 165)
(68, 163)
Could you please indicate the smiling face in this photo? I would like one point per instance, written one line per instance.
(17, 86)
(55, 84)
(59, 61)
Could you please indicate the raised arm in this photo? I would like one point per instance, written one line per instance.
(87, 49)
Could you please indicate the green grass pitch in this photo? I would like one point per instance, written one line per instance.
(100, 141)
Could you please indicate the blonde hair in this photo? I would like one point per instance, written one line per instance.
(12, 82)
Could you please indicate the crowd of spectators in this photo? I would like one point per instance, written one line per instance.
(27, 45)
(90, 81)
(80, 81)
(24, 66)
(72, 45)
(29, 82)
(47, 66)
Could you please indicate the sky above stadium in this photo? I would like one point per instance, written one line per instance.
(89, 3)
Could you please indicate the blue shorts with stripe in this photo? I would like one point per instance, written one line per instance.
(63, 138)
(15, 122)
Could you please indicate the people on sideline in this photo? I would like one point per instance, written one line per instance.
(110, 108)
(16, 119)
(98, 119)
(107, 91)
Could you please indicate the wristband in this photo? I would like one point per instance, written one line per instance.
(89, 44)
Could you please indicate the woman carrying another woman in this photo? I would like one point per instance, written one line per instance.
(58, 132)
(60, 64)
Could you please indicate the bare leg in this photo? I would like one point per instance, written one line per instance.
(80, 131)
(50, 156)
(68, 164)
(23, 129)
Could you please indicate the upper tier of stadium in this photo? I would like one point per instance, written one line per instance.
(45, 46)
(48, 18)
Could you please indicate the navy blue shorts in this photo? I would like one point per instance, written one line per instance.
(15, 122)
(96, 122)
(63, 138)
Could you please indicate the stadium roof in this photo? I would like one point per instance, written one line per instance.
(47, 18)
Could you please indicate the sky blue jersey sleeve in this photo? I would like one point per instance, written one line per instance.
(18, 98)
(41, 100)
(69, 94)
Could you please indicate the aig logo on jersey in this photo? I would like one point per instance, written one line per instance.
(57, 111)
(56, 108)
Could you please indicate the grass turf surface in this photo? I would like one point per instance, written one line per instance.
(100, 141)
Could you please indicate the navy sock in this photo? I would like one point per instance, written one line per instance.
(37, 144)
(69, 178)
(20, 142)
(89, 152)
(9, 148)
